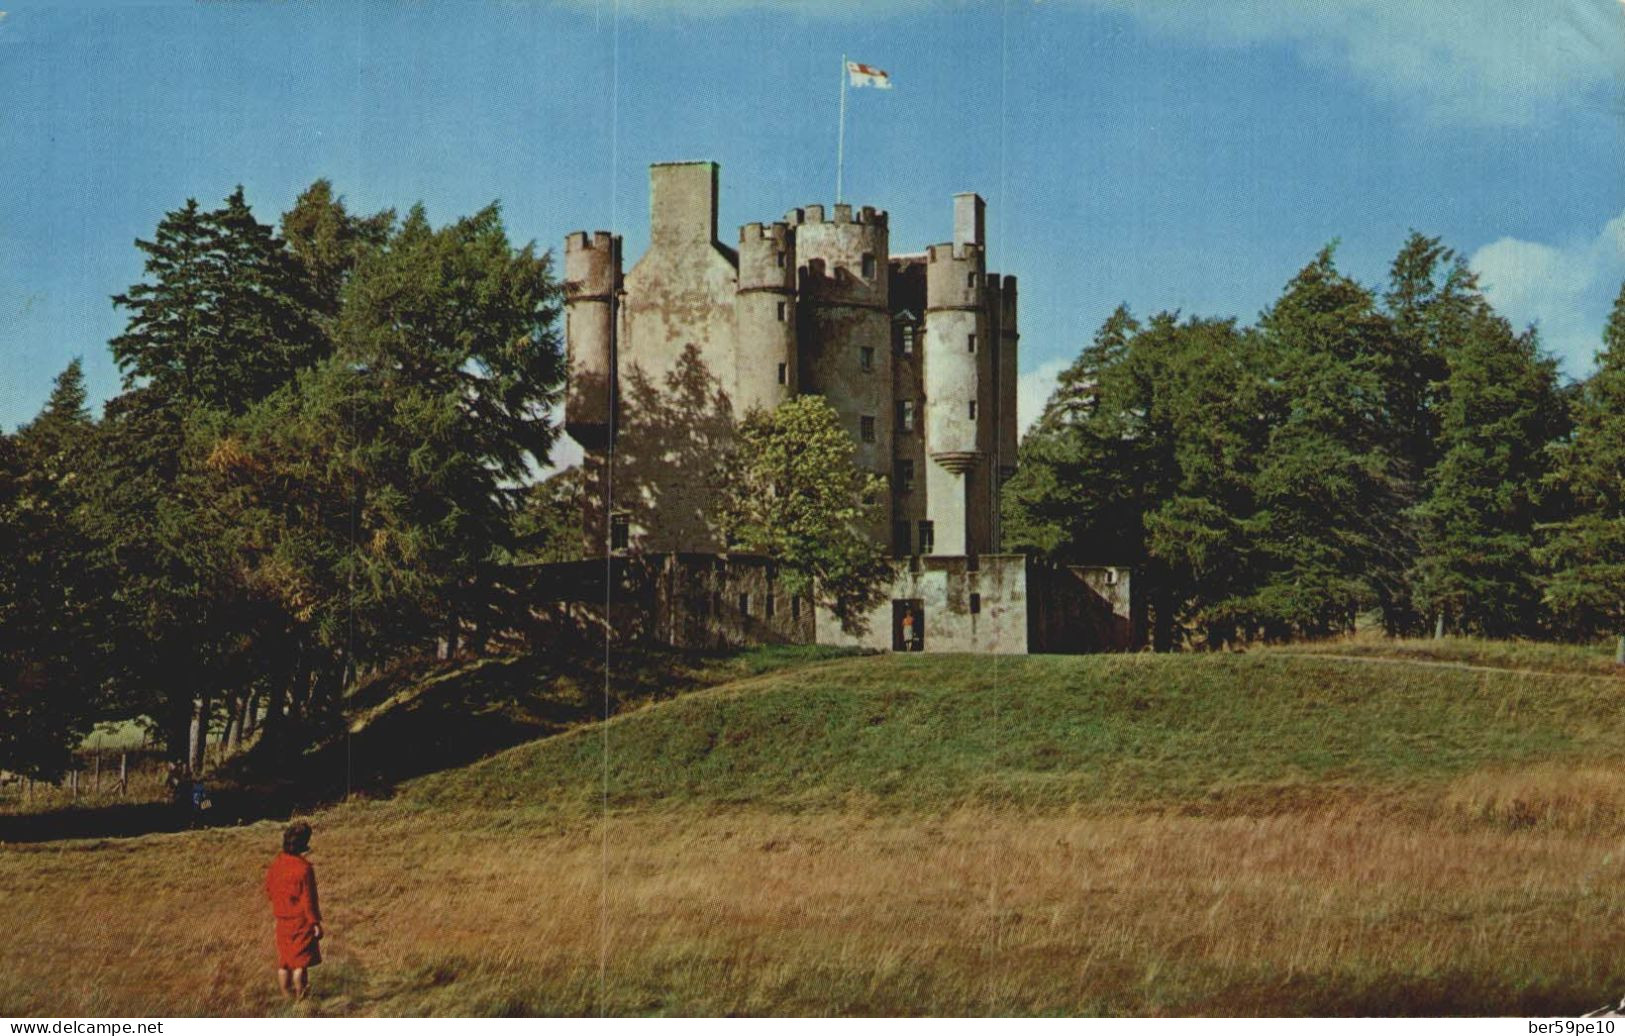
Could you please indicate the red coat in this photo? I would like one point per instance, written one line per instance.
(290, 885)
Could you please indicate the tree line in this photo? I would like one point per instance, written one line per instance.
(321, 459)
(1407, 456)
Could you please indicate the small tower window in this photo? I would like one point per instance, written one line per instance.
(866, 358)
(970, 280)
(778, 258)
(928, 538)
(795, 607)
(867, 426)
(973, 410)
(784, 310)
(744, 604)
(770, 605)
(620, 533)
(908, 339)
(899, 539)
(868, 266)
(1111, 577)
(971, 341)
(784, 374)
(905, 415)
(905, 475)
(975, 604)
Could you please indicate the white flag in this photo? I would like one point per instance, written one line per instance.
(867, 75)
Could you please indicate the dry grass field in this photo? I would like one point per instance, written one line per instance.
(1031, 843)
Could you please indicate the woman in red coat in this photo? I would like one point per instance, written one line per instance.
(290, 884)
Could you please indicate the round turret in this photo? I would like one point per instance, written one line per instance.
(592, 282)
(844, 327)
(765, 317)
(956, 349)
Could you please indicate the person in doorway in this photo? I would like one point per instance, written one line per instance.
(290, 885)
(909, 643)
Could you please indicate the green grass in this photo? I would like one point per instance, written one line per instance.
(928, 732)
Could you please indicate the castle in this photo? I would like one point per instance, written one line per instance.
(915, 352)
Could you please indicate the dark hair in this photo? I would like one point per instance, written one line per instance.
(296, 839)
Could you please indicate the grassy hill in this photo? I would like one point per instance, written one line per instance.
(1345, 832)
(1204, 734)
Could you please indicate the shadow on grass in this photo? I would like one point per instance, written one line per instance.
(418, 718)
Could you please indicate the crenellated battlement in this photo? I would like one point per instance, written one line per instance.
(767, 257)
(779, 232)
(958, 253)
(867, 216)
(954, 277)
(597, 240)
(592, 264)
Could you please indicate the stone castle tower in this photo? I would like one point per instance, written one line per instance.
(917, 354)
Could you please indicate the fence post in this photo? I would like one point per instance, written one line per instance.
(123, 772)
(73, 783)
(96, 780)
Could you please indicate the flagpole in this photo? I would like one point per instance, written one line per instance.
(840, 138)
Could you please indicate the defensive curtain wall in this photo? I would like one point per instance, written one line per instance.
(989, 603)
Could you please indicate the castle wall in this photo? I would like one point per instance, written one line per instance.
(962, 604)
(1083, 608)
(677, 367)
(699, 601)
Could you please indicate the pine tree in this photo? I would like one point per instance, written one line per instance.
(1500, 409)
(1326, 490)
(226, 315)
(1585, 553)
(1078, 491)
(50, 690)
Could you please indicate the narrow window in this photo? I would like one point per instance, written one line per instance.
(784, 374)
(795, 607)
(867, 425)
(770, 605)
(905, 475)
(1111, 577)
(975, 604)
(972, 342)
(908, 339)
(784, 308)
(899, 539)
(779, 258)
(973, 410)
(620, 533)
(868, 266)
(866, 358)
(928, 538)
(744, 604)
(970, 280)
(905, 414)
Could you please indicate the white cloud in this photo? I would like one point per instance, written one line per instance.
(1033, 390)
(1565, 289)
(1484, 61)
(1498, 62)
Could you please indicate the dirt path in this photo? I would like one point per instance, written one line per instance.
(1436, 664)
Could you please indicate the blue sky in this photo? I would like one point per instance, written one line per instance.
(1174, 154)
